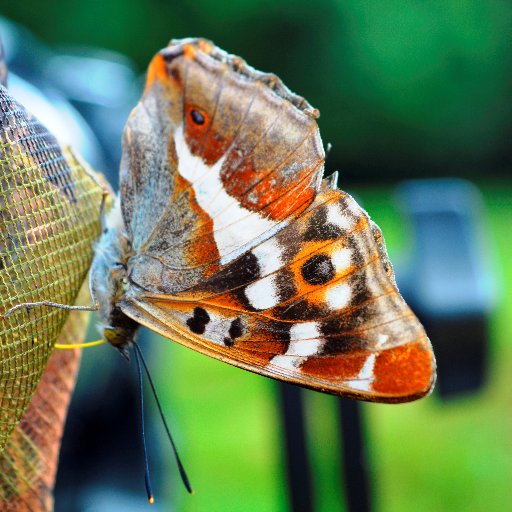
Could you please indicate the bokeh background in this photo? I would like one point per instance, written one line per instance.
(406, 90)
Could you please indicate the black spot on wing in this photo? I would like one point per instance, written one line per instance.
(197, 323)
(318, 269)
(197, 117)
(319, 229)
(240, 272)
(235, 331)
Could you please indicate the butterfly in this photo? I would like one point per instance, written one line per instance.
(227, 239)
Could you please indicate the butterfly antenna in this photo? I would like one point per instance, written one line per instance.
(181, 469)
(149, 489)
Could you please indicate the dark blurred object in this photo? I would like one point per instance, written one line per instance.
(3, 66)
(298, 472)
(353, 458)
(356, 466)
(448, 279)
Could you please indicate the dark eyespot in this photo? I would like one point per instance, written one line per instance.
(318, 269)
(197, 323)
(197, 117)
(235, 330)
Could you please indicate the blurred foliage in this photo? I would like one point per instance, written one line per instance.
(406, 89)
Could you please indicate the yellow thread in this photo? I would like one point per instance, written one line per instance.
(64, 346)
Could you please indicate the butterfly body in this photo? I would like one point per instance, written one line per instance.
(108, 281)
(228, 241)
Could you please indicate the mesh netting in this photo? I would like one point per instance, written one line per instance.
(49, 219)
(28, 463)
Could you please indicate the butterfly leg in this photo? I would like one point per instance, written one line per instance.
(50, 304)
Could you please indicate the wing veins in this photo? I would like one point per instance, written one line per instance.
(295, 219)
(266, 317)
(155, 229)
(278, 166)
(249, 247)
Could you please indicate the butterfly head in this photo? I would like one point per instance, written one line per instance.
(121, 331)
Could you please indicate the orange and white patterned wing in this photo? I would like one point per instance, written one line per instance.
(214, 158)
(241, 253)
(316, 305)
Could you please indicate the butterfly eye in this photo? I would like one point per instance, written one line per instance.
(197, 117)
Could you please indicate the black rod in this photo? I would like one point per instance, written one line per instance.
(297, 465)
(354, 457)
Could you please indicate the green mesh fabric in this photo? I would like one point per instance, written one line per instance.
(28, 464)
(49, 220)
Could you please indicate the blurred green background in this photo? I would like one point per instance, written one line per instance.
(406, 90)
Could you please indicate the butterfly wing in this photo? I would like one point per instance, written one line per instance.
(213, 159)
(244, 256)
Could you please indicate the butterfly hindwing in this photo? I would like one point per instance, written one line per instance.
(314, 304)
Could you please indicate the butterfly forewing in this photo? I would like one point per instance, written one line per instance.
(244, 254)
(235, 160)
